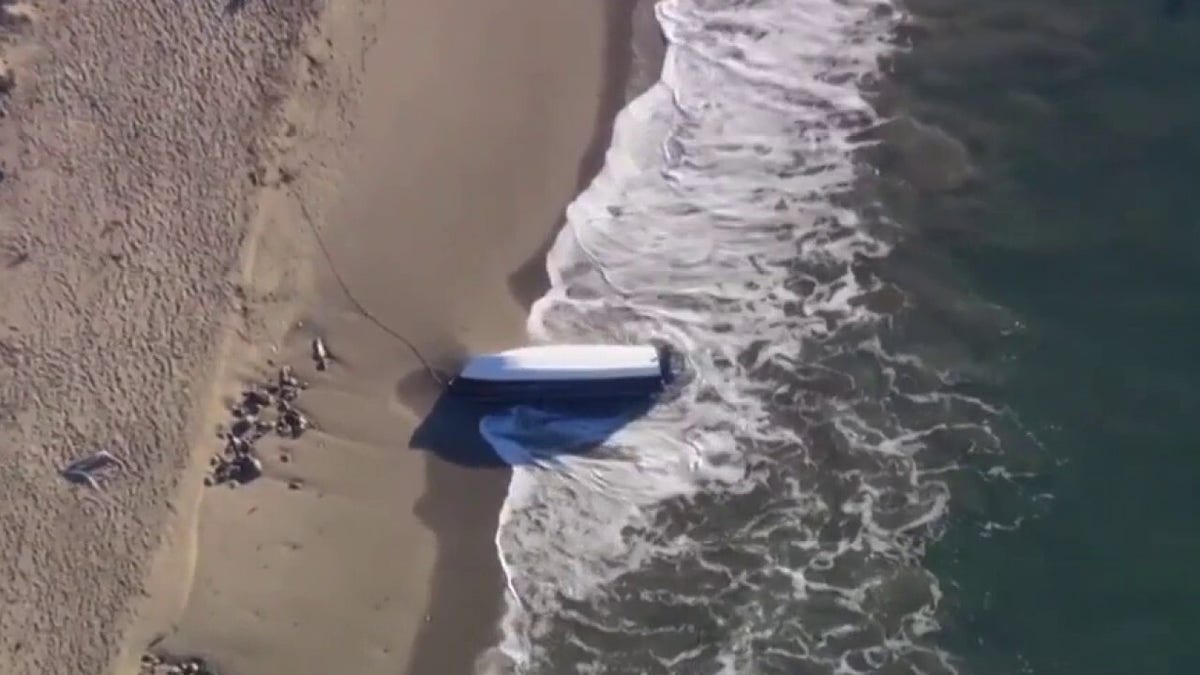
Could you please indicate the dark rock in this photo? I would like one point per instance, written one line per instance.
(246, 469)
(242, 427)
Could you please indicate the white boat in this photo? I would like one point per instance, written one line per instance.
(566, 371)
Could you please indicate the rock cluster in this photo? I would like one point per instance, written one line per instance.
(264, 408)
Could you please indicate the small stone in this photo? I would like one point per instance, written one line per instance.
(247, 468)
(296, 422)
(286, 378)
(320, 353)
(295, 484)
(242, 427)
(237, 446)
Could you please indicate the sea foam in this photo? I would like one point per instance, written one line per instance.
(770, 516)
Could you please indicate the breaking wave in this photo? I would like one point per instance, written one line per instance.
(772, 515)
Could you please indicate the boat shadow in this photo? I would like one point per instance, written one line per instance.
(493, 434)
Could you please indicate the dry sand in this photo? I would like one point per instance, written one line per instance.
(125, 144)
(160, 161)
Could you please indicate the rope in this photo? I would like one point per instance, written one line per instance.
(437, 375)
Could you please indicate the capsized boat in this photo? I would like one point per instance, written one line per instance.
(557, 372)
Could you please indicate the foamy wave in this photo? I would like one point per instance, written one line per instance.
(772, 516)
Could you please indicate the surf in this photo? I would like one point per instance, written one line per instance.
(773, 513)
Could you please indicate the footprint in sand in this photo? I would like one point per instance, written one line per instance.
(16, 14)
(8, 76)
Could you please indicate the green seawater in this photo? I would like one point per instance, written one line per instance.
(1081, 120)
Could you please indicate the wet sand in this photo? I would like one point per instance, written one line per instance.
(434, 151)
(155, 258)
(465, 596)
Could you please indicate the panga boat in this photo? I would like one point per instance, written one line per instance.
(566, 372)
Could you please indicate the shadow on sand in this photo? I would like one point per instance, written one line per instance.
(518, 435)
(466, 484)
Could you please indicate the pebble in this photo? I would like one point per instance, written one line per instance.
(247, 468)
(242, 427)
(320, 353)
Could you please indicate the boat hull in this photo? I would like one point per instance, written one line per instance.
(566, 373)
(556, 390)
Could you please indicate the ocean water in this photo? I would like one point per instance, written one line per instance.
(1083, 120)
(929, 269)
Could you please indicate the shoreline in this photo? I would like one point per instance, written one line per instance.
(529, 282)
(458, 616)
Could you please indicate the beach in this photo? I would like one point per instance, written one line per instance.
(923, 267)
(158, 216)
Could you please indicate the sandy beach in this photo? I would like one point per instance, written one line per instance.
(156, 258)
